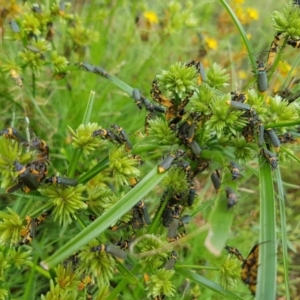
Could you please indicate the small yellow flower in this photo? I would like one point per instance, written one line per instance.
(240, 13)
(243, 74)
(249, 36)
(151, 17)
(238, 1)
(211, 43)
(253, 13)
(267, 100)
(284, 68)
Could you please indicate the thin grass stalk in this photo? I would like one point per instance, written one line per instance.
(284, 240)
(77, 152)
(104, 221)
(266, 280)
(242, 33)
(218, 289)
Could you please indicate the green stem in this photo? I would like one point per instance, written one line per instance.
(277, 59)
(74, 162)
(124, 282)
(284, 240)
(266, 286)
(218, 289)
(243, 34)
(284, 124)
(33, 84)
(89, 108)
(103, 164)
(189, 267)
(77, 152)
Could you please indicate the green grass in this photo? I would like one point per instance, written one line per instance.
(133, 54)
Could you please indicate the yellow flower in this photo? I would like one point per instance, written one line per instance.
(240, 13)
(238, 1)
(284, 68)
(253, 13)
(242, 74)
(267, 100)
(211, 43)
(151, 17)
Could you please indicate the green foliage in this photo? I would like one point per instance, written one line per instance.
(178, 81)
(205, 127)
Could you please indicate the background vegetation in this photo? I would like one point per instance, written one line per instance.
(134, 41)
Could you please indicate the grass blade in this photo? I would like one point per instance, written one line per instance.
(266, 286)
(242, 32)
(105, 220)
(284, 240)
(218, 289)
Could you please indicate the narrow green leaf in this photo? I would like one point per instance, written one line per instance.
(283, 124)
(105, 220)
(127, 274)
(284, 240)
(207, 283)
(122, 284)
(74, 161)
(266, 281)
(103, 164)
(89, 108)
(243, 34)
(220, 222)
(77, 152)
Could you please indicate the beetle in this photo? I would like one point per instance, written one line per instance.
(50, 31)
(270, 157)
(42, 147)
(235, 170)
(167, 162)
(170, 212)
(123, 136)
(88, 67)
(200, 70)
(191, 195)
(157, 96)
(107, 134)
(238, 97)
(239, 105)
(26, 179)
(286, 138)
(249, 269)
(216, 180)
(36, 8)
(14, 26)
(16, 77)
(12, 133)
(100, 71)
(110, 249)
(274, 139)
(85, 281)
(273, 50)
(172, 229)
(169, 265)
(29, 232)
(136, 95)
(142, 210)
(126, 243)
(61, 180)
(235, 251)
(231, 197)
(261, 132)
(202, 165)
(294, 43)
(262, 79)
